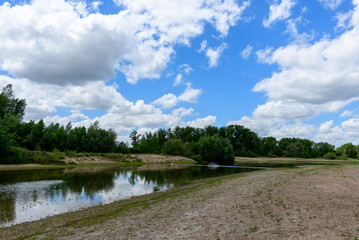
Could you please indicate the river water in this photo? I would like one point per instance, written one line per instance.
(31, 195)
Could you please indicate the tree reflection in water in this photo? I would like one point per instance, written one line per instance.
(34, 194)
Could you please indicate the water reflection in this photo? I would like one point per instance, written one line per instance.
(32, 195)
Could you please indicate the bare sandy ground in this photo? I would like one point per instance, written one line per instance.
(287, 159)
(146, 158)
(316, 202)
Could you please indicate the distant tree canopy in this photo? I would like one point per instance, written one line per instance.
(209, 144)
(9, 105)
(216, 149)
(12, 111)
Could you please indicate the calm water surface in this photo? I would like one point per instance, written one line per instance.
(34, 194)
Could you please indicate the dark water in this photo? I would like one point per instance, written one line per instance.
(34, 194)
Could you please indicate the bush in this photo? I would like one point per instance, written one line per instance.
(216, 149)
(197, 158)
(330, 155)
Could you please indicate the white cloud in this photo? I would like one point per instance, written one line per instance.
(190, 95)
(185, 68)
(178, 80)
(170, 100)
(201, 122)
(167, 101)
(351, 125)
(214, 54)
(294, 130)
(332, 4)
(182, 112)
(278, 12)
(246, 52)
(60, 42)
(119, 114)
(96, 5)
(312, 79)
(263, 55)
(346, 113)
(292, 30)
(203, 46)
(344, 20)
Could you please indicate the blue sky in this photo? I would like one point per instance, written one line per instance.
(283, 68)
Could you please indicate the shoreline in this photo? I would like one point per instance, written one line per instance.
(94, 161)
(301, 203)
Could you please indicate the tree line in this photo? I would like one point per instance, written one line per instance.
(209, 144)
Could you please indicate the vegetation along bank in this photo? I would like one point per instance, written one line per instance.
(34, 142)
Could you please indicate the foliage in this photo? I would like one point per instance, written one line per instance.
(347, 150)
(174, 147)
(216, 149)
(35, 142)
(6, 143)
(330, 155)
(9, 105)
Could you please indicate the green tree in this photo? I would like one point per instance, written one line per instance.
(9, 105)
(216, 149)
(174, 147)
(6, 143)
(245, 142)
(347, 150)
(269, 147)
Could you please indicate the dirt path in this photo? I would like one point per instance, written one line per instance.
(307, 203)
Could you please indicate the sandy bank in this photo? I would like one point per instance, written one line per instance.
(145, 158)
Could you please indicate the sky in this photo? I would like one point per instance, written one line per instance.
(283, 68)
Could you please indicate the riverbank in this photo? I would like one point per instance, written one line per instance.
(93, 161)
(312, 202)
(282, 160)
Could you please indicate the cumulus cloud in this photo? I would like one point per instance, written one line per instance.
(170, 100)
(332, 4)
(246, 52)
(214, 54)
(190, 95)
(312, 79)
(279, 11)
(167, 101)
(61, 42)
(182, 112)
(201, 122)
(118, 113)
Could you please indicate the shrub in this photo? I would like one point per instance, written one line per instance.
(330, 155)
